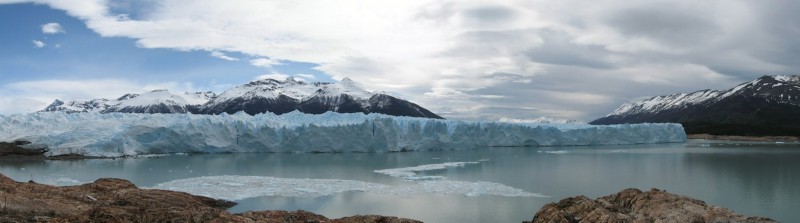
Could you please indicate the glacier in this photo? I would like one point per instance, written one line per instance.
(128, 134)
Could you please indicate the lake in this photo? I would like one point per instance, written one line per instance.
(484, 185)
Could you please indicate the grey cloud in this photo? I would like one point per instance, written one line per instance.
(558, 48)
(490, 14)
(766, 43)
(740, 71)
(667, 23)
(781, 25)
(508, 77)
(479, 44)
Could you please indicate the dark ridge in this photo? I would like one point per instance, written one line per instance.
(766, 108)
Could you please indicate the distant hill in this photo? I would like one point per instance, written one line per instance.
(769, 105)
(259, 96)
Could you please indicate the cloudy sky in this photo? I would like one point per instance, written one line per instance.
(462, 59)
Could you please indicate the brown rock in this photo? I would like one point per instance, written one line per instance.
(117, 200)
(373, 219)
(633, 205)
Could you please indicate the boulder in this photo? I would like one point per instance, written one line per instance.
(633, 205)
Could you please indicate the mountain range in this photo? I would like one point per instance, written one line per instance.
(768, 105)
(267, 95)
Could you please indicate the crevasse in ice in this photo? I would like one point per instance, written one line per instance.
(121, 134)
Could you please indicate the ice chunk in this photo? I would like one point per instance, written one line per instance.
(470, 189)
(118, 134)
(553, 151)
(407, 173)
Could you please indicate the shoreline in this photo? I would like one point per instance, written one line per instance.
(744, 138)
(14, 151)
(119, 200)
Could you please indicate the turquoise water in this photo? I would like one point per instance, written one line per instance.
(750, 178)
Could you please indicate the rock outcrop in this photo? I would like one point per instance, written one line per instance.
(117, 200)
(8, 149)
(633, 205)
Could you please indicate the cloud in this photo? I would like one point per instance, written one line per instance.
(473, 59)
(222, 55)
(264, 62)
(38, 44)
(275, 76)
(52, 28)
(307, 76)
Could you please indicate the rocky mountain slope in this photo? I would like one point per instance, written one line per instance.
(256, 97)
(632, 205)
(769, 105)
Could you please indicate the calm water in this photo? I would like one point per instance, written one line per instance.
(749, 178)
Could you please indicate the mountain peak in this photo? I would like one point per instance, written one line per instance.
(767, 105)
(259, 96)
(792, 79)
(273, 81)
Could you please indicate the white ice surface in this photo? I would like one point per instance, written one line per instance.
(121, 134)
(553, 151)
(408, 173)
(243, 187)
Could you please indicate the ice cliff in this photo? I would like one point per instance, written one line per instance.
(120, 134)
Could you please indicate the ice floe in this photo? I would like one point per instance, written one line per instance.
(243, 187)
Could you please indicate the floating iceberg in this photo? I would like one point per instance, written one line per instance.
(242, 187)
(118, 134)
(409, 173)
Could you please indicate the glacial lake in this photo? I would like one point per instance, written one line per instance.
(484, 185)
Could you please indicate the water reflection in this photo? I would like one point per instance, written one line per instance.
(753, 179)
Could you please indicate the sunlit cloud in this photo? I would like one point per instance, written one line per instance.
(52, 28)
(38, 44)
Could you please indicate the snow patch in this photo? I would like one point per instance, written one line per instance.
(660, 103)
(540, 120)
(295, 89)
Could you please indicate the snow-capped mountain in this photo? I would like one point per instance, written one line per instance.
(540, 120)
(256, 97)
(769, 105)
(157, 101)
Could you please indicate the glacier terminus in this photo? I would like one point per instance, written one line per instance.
(130, 134)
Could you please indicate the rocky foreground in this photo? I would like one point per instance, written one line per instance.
(632, 205)
(116, 200)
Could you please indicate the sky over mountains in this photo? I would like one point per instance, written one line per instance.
(460, 59)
